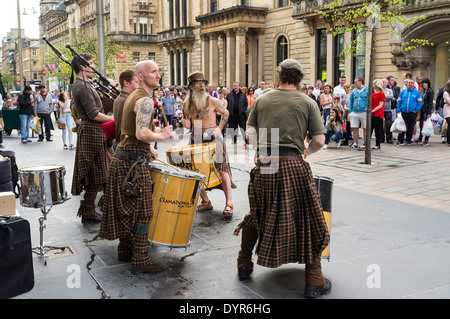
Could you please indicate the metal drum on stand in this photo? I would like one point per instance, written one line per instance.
(42, 185)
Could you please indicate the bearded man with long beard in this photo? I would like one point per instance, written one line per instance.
(200, 117)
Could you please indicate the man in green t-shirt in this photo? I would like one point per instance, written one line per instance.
(286, 216)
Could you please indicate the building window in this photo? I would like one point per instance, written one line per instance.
(245, 3)
(359, 58)
(178, 57)
(282, 49)
(339, 58)
(172, 67)
(177, 13)
(322, 54)
(136, 56)
(143, 26)
(34, 53)
(185, 68)
(152, 56)
(283, 3)
(184, 8)
(172, 25)
(213, 5)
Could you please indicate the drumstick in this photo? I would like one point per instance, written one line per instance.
(175, 167)
(164, 116)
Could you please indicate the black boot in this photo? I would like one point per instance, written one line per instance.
(317, 291)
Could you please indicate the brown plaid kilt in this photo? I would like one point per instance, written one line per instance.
(120, 212)
(286, 210)
(91, 157)
(221, 163)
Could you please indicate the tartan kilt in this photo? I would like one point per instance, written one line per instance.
(286, 210)
(120, 212)
(91, 157)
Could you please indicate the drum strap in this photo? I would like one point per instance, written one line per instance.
(128, 157)
(129, 186)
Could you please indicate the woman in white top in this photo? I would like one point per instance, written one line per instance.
(65, 116)
(326, 101)
(177, 97)
(224, 102)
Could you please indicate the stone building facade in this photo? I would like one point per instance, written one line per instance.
(229, 40)
(131, 23)
(10, 56)
(244, 40)
(321, 57)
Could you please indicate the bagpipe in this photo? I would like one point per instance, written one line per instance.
(102, 85)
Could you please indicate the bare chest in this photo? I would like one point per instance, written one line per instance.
(207, 117)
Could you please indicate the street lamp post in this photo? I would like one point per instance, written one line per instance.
(101, 38)
(19, 47)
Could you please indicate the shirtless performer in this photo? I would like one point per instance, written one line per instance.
(200, 116)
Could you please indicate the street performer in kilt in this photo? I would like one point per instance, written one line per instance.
(286, 219)
(200, 117)
(91, 157)
(127, 208)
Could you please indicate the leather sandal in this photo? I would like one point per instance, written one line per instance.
(204, 206)
(228, 213)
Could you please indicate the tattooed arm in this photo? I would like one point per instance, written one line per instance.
(144, 118)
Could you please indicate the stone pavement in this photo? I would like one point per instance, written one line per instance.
(389, 236)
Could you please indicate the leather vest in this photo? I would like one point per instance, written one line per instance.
(128, 126)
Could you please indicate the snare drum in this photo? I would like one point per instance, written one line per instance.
(42, 185)
(175, 198)
(325, 188)
(199, 158)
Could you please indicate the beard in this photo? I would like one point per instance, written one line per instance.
(199, 99)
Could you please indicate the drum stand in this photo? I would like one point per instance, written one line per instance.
(39, 250)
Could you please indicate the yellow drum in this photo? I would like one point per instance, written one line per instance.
(325, 188)
(175, 199)
(199, 158)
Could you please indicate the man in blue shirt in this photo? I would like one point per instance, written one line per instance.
(408, 104)
(357, 109)
(169, 106)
